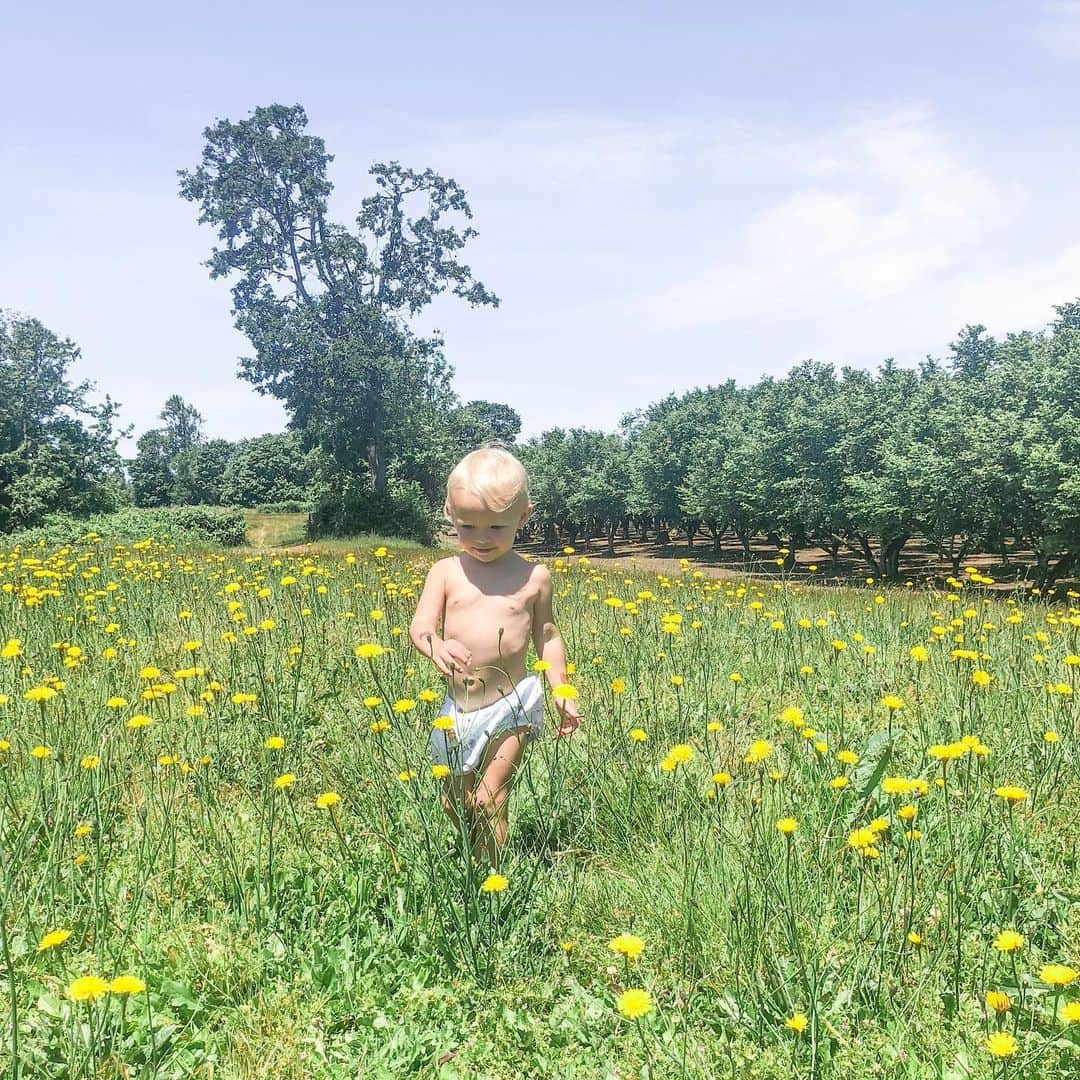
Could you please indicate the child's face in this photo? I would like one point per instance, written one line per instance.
(485, 534)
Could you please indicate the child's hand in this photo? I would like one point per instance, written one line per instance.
(569, 717)
(451, 655)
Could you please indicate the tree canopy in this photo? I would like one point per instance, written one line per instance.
(57, 448)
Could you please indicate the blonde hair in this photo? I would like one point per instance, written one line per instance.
(493, 475)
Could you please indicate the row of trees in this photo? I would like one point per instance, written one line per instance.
(979, 451)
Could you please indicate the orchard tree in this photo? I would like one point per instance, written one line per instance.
(325, 308)
(57, 450)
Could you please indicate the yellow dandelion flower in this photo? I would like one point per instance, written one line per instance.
(1012, 795)
(757, 752)
(628, 945)
(1057, 975)
(797, 1022)
(87, 988)
(40, 694)
(127, 984)
(53, 939)
(1000, 1044)
(285, 780)
(635, 1003)
(494, 883)
(1008, 941)
(327, 799)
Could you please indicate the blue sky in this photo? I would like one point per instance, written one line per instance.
(667, 195)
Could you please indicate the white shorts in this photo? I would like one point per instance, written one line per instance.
(462, 749)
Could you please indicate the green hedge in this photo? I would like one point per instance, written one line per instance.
(193, 524)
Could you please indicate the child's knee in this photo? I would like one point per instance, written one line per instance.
(488, 802)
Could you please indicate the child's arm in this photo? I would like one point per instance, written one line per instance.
(549, 647)
(424, 628)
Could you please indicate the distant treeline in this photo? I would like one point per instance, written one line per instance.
(980, 451)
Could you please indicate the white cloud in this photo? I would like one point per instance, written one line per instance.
(890, 206)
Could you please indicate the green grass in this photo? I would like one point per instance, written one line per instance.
(279, 938)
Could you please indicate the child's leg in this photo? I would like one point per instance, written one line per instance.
(491, 792)
(457, 802)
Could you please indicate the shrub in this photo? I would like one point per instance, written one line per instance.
(351, 508)
(194, 524)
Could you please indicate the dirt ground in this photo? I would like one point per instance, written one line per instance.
(917, 562)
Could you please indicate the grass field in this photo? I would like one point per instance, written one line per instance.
(803, 831)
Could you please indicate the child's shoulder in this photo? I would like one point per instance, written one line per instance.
(538, 572)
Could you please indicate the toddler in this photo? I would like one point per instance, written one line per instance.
(489, 602)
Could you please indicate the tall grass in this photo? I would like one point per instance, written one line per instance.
(809, 812)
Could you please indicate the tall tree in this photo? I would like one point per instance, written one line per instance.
(326, 309)
(183, 425)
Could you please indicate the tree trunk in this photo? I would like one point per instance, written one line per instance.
(833, 548)
(890, 556)
(717, 534)
(1046, 574)
(663, 536)
(745, 537)
(626, 530)
(957, 556)
(377, 464)
(612, 526)
(550, 536)
(868, 554)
